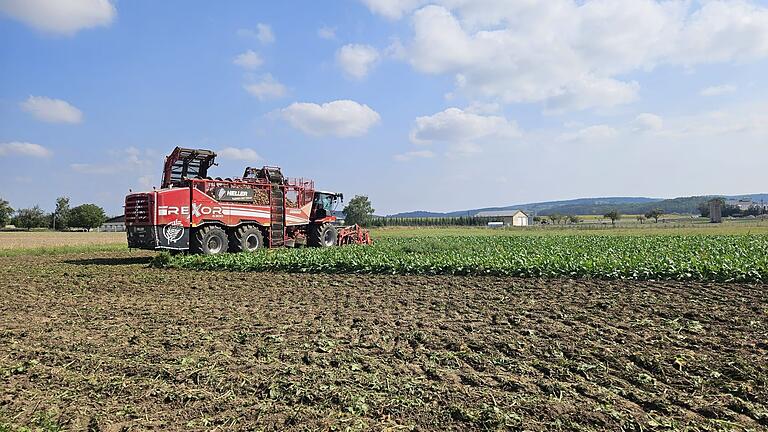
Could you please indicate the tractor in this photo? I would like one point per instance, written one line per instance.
(261, 209)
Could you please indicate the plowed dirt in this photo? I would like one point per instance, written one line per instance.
(106, 343)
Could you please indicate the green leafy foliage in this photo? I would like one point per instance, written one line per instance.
(62, 212)
(358, 211)
(30, 218)
(655, 214)
(720, 258)
(390, 221)
(5, 212)
(613, 215)
(86, 216)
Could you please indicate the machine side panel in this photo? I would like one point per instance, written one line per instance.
(174, 208)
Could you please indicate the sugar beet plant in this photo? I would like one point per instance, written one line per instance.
(697, 258)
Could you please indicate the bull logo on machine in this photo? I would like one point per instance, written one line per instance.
(174, 231)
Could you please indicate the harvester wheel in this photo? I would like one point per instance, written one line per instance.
(210, 240)
(322, 235)
(246, 238)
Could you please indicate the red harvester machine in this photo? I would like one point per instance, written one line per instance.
(204, 215)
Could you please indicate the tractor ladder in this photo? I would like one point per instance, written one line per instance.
(276, 208)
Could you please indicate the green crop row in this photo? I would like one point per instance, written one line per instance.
(697, 258)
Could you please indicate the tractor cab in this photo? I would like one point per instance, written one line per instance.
(325, 203)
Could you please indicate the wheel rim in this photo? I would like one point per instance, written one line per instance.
(328, 238)
(251, 242)
(214, 245)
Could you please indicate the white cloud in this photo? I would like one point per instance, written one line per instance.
(357, 60)
(327, 32)
(241, 154)
(52, 110)
(512, 64)
(408, 156)
(590, 92)
(57, 16)
(266, 88)
(263, 33)
(463, 150)
(456, 126)
(483, 108)
(395, 50)
(392, 9)
(145, 182)
(24, 149)
(722, 31)
(745, 120)
(341, 118)
(718, 125)
(591, 134)
(718, 90)
(132, 155)
(647, 122)
(127, 160)
(248, 60)
(572, 55)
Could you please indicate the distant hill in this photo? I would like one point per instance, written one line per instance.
(683, 205)
(594, 206)
(537, 207)
(674, 205)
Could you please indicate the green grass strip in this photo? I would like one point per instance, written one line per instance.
(63, 250)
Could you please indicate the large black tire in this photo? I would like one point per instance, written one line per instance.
(246, 238)
(322, 235)
(209, 240)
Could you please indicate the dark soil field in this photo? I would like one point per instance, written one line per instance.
(100, 341)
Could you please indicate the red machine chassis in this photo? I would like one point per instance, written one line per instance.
(284, 209)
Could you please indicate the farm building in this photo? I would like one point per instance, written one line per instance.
(746, 204)
(507, 217)
(742, 204)
(114, 224)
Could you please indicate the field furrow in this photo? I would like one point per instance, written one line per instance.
(112, 343)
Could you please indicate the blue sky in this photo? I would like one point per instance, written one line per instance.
(440, 105)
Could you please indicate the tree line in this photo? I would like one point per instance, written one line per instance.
(431, 221)
(360, 211)
(84, 216)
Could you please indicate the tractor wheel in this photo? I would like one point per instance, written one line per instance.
(210, 240)
(246, 238)
(322, 235)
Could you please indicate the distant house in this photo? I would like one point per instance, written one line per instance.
(115, 224)
(745, 204)
(507, 217)
(742, 204)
